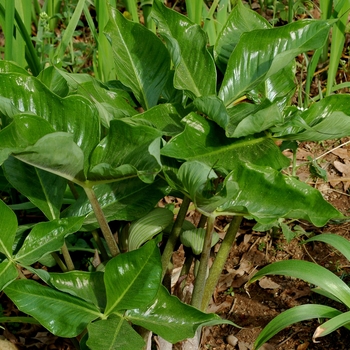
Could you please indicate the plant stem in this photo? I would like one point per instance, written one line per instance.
(100, 245)
(290, 11)
(174, 235)
(67, 257)
(202, 271)
(101, 219)
(219, 262)
(59, 262)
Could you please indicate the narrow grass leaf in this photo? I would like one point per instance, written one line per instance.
(332, 325)
(8, 227)
(294, 315)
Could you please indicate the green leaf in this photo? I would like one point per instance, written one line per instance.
(8, 273)
(294, 315)
(68, 162)
(199, 181)
(324, 120)
(331, 325)
(206, 142)
(145, 228)
(8, 227)
(11, 67)
(88, 286)
(46, 237)
(117, 334)
(132, 279)
(240, 20)
(135, 48)
(129, 149)
(338, 242)
(311, 273)
(54, 81)
(195, 239)
(126, 200)
(43, 189)
(268, 195)
(173, 320)
(164, 117)
(73, 114)
(187, 43)
(262, 53)
(60, 313)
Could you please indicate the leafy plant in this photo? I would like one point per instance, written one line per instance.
(181, 120)
(326, 283)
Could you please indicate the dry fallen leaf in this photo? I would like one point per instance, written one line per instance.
(344, 168)
(7, 345)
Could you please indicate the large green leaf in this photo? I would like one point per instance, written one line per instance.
(88, 286)
(262, 53)
(129, 149)
(187, 43)
(173, 320)
(311, 273)
(8, 273)
(43, 189)
(73, 114)
(117, 334)
(132, 279)
(142, 61)
(165, 117)
(62, 314)
(68, 162)
(267, 195)
(8, 227)
(206, 142)
(324, 120)
(47, 237)
(240, 20)
(294, 315)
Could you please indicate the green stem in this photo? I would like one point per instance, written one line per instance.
(67, 257)
(132, 8)
(59, 262)
(203, 267)
(101, 219)
(290, 11)
(220, 260)
(174, 235)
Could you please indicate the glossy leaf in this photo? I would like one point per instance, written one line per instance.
(171, 319)
(311, 273)
(117, 334)
(164, 117)
(145, 228)
(332, 325)
(46, 237)
(43, 189)
(8, 273)
(73, 114)
(126, 200)
(261, 53)
(129, 149)
(68, 162)
(54, 81)
(267, 195)
(324, 120)
(60, 313)
(293, 315)
(240, 20)
(187, 43)
(88, 286)
(338, 242)
(132, 279)
(206, 142)
(134, 48)
(8, 227)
